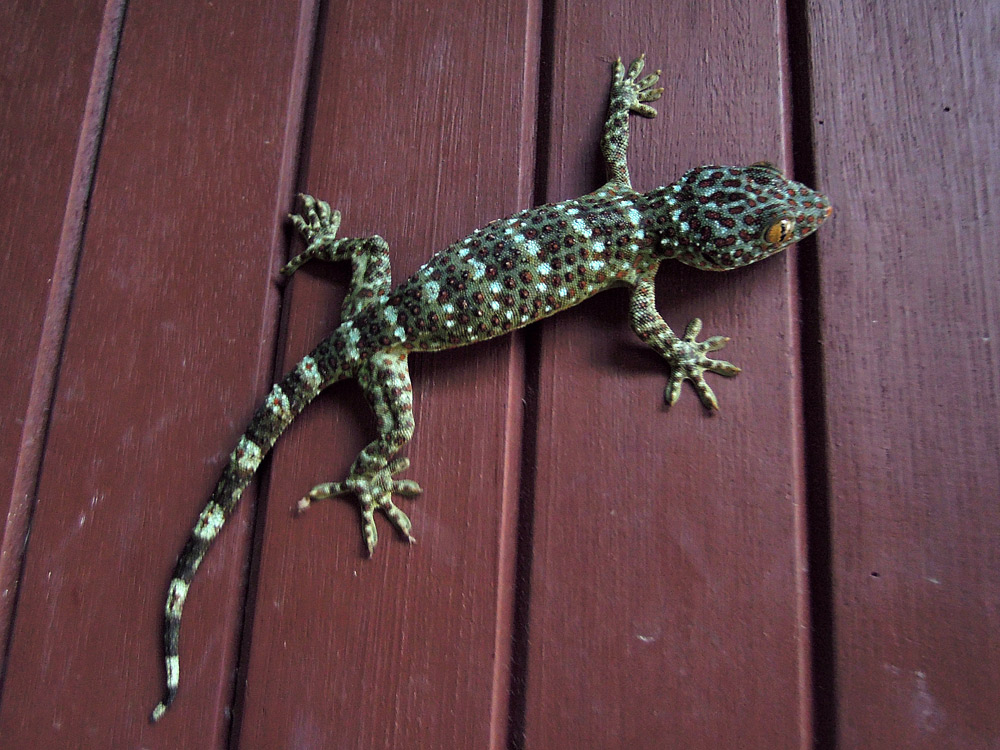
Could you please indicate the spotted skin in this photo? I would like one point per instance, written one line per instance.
(512, 272)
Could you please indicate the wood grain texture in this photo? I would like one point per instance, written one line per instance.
(666, 588)
(420, 136)
(906, 146)
(167, 345)
(48, 56)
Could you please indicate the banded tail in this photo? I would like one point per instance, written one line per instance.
(285, 401)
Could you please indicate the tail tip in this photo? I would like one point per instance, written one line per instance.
(161, 708)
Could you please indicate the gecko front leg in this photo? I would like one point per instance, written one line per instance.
(628, 96)
(686, 356)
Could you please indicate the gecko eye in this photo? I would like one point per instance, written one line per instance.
(779, 232)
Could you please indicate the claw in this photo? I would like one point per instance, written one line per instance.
(406, 488)
(726, 369)
(648, 81)
(673, 391)
(369, 531)
(399, 519)
(705, 393)
(398, 464)
(715, 343)
(643, 110)
(324, 212)
(636, 67)
(298, 222)
(651, 95)
(619, 72)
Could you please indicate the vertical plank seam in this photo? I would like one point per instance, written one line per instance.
(822, 641)
(518, 409)
(532, 337)
(301, 103)
(34, 434)
(803, 643)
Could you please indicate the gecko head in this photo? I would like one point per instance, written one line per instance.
(718, 218)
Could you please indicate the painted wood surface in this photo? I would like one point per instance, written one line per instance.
(47, 144)
(815, 566)
(910, 327)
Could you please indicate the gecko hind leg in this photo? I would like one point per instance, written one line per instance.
(385, 379)
(371, 274)
(318, 225)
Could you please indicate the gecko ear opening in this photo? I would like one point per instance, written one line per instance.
(768, 165)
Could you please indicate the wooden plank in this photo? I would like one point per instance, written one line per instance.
(666, 586)
(423, 131)
(910, 320)
(48, 57)
(166, 352)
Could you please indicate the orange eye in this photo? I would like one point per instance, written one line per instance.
(779, 232)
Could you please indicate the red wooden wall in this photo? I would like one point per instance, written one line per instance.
(818, 565)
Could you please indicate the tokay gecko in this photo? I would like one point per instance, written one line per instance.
(502, 277)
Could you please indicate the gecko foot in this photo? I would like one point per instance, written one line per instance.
(689, 361)
(374, 490)
(636, 91)
(318, 225)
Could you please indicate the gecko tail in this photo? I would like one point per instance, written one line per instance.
(285, 401)
(162, 706)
